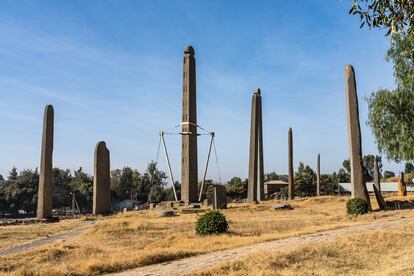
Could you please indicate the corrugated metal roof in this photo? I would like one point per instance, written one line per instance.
(385, 187)
(275, 182)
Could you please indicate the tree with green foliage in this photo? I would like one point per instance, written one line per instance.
(388, 174)
(409, 167)
(344, 174)
(152, 184)
(304, 181)
(169, 192)
(271, 176)
(125, 184)
(368, 162)
(208, 190)
(236, 188)
(329, 184)
(20, 191)
(394, 15)
(62, 188)
(391, 112)
(82, 187)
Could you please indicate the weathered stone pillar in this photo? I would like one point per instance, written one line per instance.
(291, 175)
(377, 181)
(318, 176)
(359, 189)
(256, 174)
(402, 187)
(377, 185)
(189, 166)
(44, 196)
(101, 180)
(220, 197)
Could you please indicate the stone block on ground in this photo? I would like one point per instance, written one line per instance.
(282, 207)
(165, 213)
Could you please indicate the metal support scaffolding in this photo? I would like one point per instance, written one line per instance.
(212, 145)
(205, 170)
(168, 163)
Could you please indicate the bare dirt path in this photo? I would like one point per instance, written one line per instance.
(191, 264)
(46, 240)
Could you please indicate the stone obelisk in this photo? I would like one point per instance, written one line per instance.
(402, 186)
(291, 176)
(44, 195)
(101, 180)
(318, 176)
(377, 181)
(358, 187)
(377, 186)
(256, 174)
(189, 168)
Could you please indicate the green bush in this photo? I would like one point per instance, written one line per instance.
(212, 222)
(357, 206)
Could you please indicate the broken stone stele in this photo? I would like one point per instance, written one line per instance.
(402, 187)
(358, 187)
(291, 176)
(101, 180)
(220, 197)
(189, 168)
(377, 182)
(379, 198)
(44, 196)
(318, 176)
(255, 189)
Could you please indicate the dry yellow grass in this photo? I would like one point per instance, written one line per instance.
(372, 253)
(135, 239)
(19, 234)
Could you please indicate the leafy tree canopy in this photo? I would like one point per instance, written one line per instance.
(388, 174)
(237, 188)
(304, 181)
(391, 112)
(393, 15)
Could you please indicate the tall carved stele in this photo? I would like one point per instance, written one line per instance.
(189, 168)
(44, 196)
(318, 175)
(291, 176)
(358, 187)
(256, 175)
(101, 180)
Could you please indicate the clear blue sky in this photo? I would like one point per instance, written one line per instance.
(113, 72)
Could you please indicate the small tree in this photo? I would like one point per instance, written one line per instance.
(329, 184)
(409, 167)
(236, 188)
(388, 174)
(304, 181)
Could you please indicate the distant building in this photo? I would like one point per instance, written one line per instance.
(273, 187)
(386, 187)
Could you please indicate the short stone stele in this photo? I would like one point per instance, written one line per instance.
(220, 197)
(402, 187)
